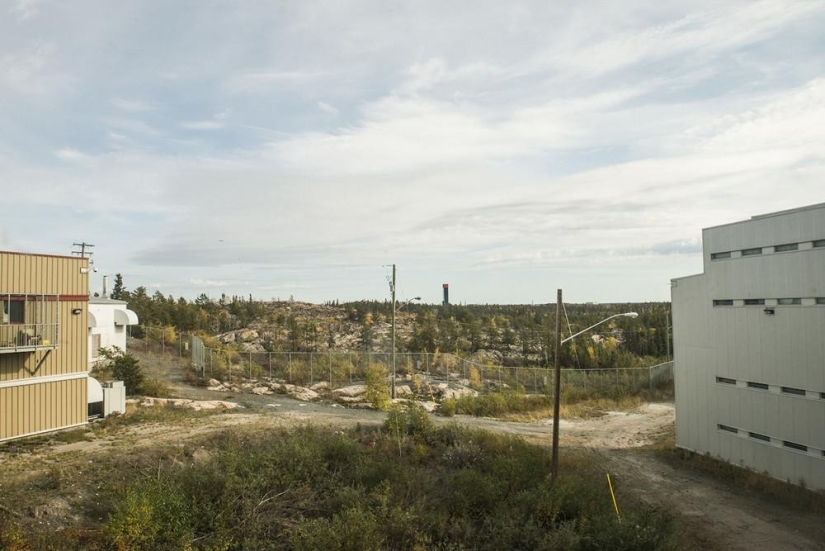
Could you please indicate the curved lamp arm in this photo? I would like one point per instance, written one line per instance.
(625, 315)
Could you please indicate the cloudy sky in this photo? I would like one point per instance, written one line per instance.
(280, 148)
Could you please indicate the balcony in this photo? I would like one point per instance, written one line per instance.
(28, 323)
(27, 337)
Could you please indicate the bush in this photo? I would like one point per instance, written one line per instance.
(122, 367)
(378, 392)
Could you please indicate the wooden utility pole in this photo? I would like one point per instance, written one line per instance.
(554, 462)
(392, 288)
(83, 246)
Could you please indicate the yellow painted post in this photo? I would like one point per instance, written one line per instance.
(615, 505)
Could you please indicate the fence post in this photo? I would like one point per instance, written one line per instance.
(331, 385)
(310, 369)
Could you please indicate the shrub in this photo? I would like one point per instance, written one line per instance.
(378, 392)
(123, 367)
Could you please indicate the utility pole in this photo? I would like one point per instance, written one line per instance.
(83, 246)
(392, 290)
(554, 462)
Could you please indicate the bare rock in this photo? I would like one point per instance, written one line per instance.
(353, 390)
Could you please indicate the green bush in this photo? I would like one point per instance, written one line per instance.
(121, 366)
(498, 404)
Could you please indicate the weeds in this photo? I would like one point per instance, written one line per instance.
(448, 488)
(795, 497)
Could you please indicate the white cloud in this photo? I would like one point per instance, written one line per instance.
(327, 108)
(25, 9)
(132, 106)
(203, 125)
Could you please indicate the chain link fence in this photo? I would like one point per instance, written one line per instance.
(340, 369)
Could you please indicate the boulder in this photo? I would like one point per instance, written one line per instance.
(353, 390)
(304, 394)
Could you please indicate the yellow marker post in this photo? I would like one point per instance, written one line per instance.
(615, 505)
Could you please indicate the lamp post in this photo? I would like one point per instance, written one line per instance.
(394, 310)
(554, 462)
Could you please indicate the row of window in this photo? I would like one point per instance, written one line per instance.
(755, 251)
(767, 439)
(788, 301)
(764, 386)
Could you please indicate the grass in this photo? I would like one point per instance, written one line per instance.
(575, 403)
(407, 485)
(792, 496)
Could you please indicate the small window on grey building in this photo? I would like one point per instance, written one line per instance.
(720, 256)
(754, 302)
(786, 247)
(820, 300)
(819, 243)
(725, 381)
(795, 446)
(728, 429)
(752, 252)
(822, 395)
(758, 436)
(723, 302)
(760, 386)
(789, 301)
(794, 391)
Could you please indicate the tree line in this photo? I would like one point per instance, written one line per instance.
(516, 334)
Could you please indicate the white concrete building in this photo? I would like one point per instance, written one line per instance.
(749, 346)
(108, 320)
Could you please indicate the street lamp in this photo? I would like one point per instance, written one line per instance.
(394, 310)
(554, 462)
(625, 315)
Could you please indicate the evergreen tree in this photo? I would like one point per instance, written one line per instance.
(119, 292)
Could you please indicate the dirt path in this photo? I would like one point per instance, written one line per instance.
(715, 516)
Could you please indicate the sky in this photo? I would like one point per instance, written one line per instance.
(300, 148)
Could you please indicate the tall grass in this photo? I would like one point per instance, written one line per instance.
(409, 485)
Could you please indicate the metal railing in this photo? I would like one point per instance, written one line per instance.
(28, 336)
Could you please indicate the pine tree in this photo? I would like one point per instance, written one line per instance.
(119, 291)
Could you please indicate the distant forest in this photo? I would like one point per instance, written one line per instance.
(515, 334)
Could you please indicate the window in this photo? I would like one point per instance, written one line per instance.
(725, 380)
(758, 436)
(786, 247)
(819, 243)
(95, 346)
(728, 429)
(760, 386)
(13, 311)
(754, 302)
(794, 391)
(820, 300)
(719, 256)
(795, 446)
(752, 252)
(789, 301)
(723, 302)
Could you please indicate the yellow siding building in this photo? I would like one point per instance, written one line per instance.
(43, 343)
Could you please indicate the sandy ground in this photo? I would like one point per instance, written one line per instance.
(714, 516)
